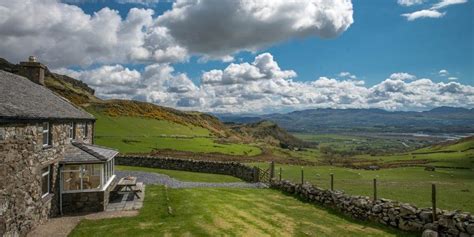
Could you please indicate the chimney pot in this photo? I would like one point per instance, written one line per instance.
(32, 59)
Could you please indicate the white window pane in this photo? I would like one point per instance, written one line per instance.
(71, 180)
(90, 179)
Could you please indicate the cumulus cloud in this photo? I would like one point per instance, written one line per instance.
(408, 3)
(402, 76)
(423, 14)
(261, 86)
(220, 28)
(63, 35)
(347, 75)
(443, 72)
(452, 78)
(432, 12)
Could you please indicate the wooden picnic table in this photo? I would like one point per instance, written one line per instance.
(128, 184)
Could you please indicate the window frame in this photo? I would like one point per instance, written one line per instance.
(71, 131)
(46, 132)
(86, 130)
(43, 174)
(104, 182)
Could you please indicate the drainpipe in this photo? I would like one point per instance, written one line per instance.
(61, 189)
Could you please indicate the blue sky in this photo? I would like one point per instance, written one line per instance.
(262, 56)
(378, 43)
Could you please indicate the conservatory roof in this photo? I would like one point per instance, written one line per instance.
(79, 153)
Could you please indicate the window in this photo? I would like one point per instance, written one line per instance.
(84, 130)
(71, 131)
(71, 177)
(82, 177)
(46, 134)
(91, 176)
(45, 181)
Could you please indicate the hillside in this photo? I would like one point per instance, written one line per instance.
(270, 133)
(438, 120)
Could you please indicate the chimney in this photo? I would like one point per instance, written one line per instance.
(33, 70)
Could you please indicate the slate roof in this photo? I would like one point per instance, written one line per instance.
(85, 153)
(21, 98)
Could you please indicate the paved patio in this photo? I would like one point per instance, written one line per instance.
(126, 201)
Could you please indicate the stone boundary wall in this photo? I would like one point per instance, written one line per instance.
(388, 212)
(235, 169)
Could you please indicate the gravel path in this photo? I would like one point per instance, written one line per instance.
(156, 178)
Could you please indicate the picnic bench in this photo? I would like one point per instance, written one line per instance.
(128, 184)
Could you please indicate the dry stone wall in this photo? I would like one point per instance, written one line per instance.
(228, 168)
(388, 212)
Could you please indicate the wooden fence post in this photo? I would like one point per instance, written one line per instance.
(256, 175)
(280, 173)
(272, 170)
(302, 175)
(332, 182)
(433, 200)
(375, 189)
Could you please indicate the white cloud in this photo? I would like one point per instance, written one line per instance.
(452, 78)
(63, 35)
(347, 75)
(221, 28)
(423, 14)
(142, 2)
(447, 3)
(262, 86)
(402, 76)
(443, 72)
(408, 3)
(433, 11)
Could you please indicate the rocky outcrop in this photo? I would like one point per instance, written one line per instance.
(403, 216)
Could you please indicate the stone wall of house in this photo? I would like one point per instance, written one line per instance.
(83, 202)
(392, 213)
(22, 157)
(228, 168)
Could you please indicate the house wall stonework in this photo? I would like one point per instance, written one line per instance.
(22, 157)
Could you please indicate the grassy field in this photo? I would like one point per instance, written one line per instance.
(228, 212)
(363, 143)
(411, 184)
(142, 135)
(184, 175)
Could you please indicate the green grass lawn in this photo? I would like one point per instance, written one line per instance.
(142, 135)
(184, 175)
(228, 212)
(146, 144)
(413, 185)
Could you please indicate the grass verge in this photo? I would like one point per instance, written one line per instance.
(229, 212)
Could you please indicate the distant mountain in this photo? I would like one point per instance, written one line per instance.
(438, 120)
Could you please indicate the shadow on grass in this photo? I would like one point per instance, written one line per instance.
(388, 229)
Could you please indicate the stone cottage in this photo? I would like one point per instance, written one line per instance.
(48, 163)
